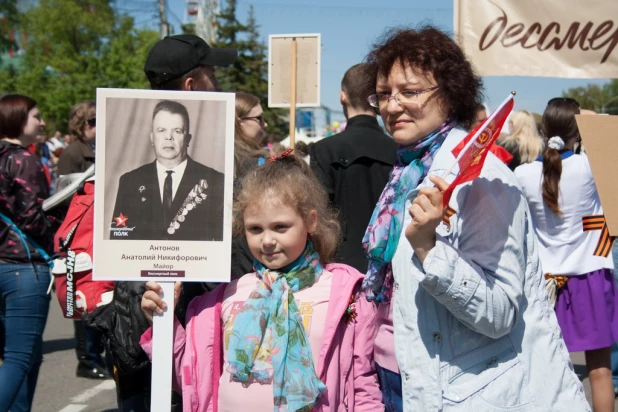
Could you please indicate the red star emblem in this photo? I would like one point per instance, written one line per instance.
(121, 220)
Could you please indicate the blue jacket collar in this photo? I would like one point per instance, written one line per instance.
(564, 155)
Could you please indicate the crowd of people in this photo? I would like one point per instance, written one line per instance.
(351, 288)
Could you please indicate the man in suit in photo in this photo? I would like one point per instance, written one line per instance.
(174, 197)
(354, 165)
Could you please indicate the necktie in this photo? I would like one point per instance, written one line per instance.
(167, 198)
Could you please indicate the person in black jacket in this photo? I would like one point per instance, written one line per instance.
(354, 165)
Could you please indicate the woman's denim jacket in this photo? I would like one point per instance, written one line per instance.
(474, 330)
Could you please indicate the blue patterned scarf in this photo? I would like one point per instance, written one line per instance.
(382, 235)
(269, 342)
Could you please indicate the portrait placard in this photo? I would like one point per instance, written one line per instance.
(307, 70)
(601, 142)
(163, 193)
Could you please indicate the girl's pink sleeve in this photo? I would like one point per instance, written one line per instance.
(179, 351)
(367, 394)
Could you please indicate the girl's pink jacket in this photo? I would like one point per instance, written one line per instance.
(346, 357)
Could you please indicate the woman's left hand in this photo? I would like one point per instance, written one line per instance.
(426, 212)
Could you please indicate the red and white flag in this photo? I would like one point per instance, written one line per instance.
(472, 151)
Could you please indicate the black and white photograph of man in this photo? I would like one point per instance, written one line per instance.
(173, 197)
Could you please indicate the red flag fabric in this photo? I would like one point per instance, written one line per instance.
(471, 161)
(501, 153)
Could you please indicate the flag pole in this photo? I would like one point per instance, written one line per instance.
(478, 132)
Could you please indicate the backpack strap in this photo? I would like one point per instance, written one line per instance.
(27, 239)
(70, 265)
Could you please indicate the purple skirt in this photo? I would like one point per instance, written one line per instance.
(587, 311)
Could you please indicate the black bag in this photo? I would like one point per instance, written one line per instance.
(122, 323)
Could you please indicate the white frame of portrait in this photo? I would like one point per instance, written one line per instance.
(197, 261)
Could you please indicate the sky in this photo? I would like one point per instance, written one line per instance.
(350, 27)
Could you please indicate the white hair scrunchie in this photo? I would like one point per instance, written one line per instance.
(556, 143)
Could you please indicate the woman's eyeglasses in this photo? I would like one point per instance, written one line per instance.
(402, 98)
(563, 99)
(92, 122)
(259, 119)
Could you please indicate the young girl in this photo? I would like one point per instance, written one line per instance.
(295, 334)
(568, 221)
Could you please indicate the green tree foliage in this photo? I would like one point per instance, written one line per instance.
(124, 56)
(229, 33)
(188, 28)
(255, 58)
(249, 73)
(8, 21)
(601, 99)
(71, 48)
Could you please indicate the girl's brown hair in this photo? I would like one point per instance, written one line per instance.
(14, 109)
(244, 147)
(558, 121)
(290, 180)
(79, 115)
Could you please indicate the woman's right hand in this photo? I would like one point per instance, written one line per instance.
(152, 301)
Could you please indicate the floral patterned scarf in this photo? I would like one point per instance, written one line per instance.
(382, 235)
(269, 342)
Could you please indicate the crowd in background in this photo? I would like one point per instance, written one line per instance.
(417, 310)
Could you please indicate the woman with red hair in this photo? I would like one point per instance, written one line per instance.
(464, 319)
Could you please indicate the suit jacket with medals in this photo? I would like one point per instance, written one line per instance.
(139, 201)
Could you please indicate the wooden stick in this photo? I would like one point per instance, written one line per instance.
(293, 94)
(162, 353)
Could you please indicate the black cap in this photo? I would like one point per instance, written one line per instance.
(175, 56)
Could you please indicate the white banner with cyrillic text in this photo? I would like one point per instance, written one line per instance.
(548, 38)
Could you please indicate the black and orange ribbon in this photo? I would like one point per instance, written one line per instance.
(446, 217)
(606, 242)
(560, 279)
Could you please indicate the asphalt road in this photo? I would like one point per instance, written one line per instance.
(59, 390)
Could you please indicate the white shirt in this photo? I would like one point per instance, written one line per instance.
(564, 247)
(57, 143)
(176, 177)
